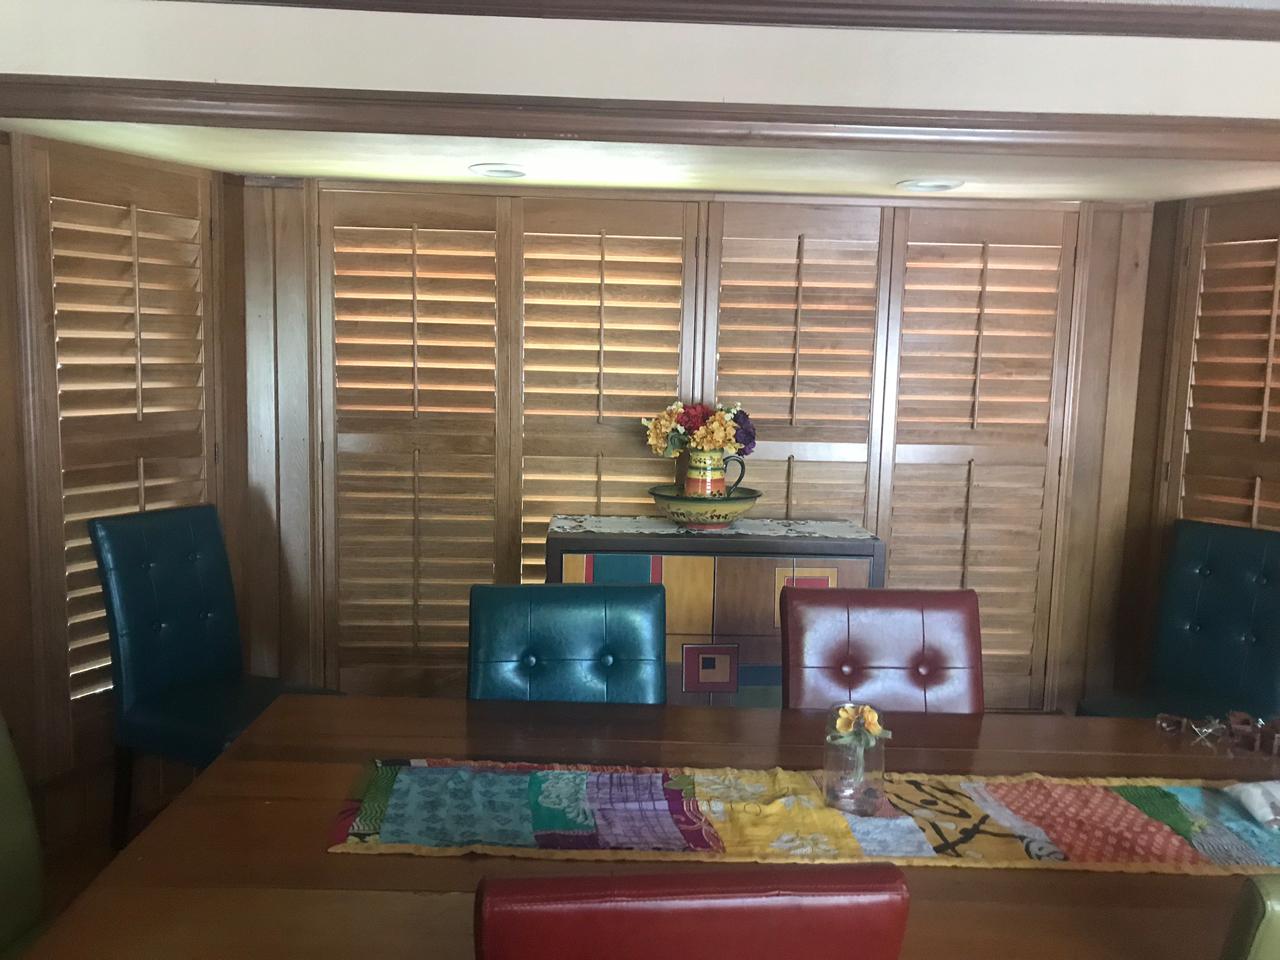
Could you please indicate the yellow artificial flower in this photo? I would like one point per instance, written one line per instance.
(717, 434)
(845, 719)
(863, 716)
(660, 428)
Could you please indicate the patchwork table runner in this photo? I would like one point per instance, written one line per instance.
(449, 808)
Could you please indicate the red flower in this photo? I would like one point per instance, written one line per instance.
(693, 416)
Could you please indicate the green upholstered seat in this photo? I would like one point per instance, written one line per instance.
(20, 877)
(1217, 644)
(1255, 928)
(583, 643)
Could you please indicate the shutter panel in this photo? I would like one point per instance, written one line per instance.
(127, 248)
(981, 313)
(1231, 452)
(797, 330)
(413, 314)
(606, 314)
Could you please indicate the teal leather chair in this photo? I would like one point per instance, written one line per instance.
(1217, 645)
(583, 643)
(180, 687)
(1255, 929)
(20, 871)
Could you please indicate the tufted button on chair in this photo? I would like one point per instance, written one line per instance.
(765, 913)
(1217, 643)
(909, 650)
(585, 643)
(180, 688)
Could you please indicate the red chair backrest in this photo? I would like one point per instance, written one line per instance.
(899, 650)
(756, 913)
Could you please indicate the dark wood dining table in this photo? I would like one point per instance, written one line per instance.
(237, 866)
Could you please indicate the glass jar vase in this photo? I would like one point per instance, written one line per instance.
(852, 772)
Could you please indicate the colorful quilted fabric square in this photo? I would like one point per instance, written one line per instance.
(1094, 824)
(447, 807)
(953, 823)
(777, 814)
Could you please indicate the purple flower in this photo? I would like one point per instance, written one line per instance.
(745, 434)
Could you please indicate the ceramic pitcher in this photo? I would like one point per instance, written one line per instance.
(706, 474)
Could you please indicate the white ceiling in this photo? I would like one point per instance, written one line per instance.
(659, 166)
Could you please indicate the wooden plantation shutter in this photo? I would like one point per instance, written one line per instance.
(799, 321)
(980, 309)
(607, 294)
(127, 262)
(412, 324)
(1231, 441)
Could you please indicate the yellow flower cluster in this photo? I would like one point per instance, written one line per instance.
(716, 434)
(660, 428)
(862, 716)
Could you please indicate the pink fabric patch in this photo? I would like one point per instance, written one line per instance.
(1091, 824)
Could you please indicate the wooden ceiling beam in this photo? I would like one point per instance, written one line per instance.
(1238, 22)
(638, 121)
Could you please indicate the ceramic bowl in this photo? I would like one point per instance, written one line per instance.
(702, 513)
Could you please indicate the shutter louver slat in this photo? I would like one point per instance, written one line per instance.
(128, 298)
(1231, 451)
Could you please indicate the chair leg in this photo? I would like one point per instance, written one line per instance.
(122, 810)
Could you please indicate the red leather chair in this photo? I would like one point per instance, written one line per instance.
(758, 913)
(905, 650)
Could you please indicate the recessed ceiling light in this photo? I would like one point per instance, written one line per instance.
(930, 184)
(499, 171)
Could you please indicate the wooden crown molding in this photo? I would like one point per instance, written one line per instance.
(552, 118)
(1004, 16)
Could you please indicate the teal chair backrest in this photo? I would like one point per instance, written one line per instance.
(1219, 631)
(586, 643)
(171, 606)
(20, 878)
(1255, 929)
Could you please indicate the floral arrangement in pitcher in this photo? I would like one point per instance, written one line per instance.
(858, 725)
(700, 426)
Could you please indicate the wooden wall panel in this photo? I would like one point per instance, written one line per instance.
(18, 689)
(282, 459)
(1107, 341)
(1139, 589)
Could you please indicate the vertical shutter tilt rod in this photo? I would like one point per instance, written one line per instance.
(142, 487)
(413, 315)
(968, 519)
(1271, 347)
(599, 484)
(600, 340)
(1257, 502)
(795, 340)
(791, 468)
(137, 310)
(977, 356)
(417, 454)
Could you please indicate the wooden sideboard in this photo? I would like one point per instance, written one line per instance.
(723, 642)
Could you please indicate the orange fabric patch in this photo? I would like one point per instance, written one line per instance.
(1091, 824)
